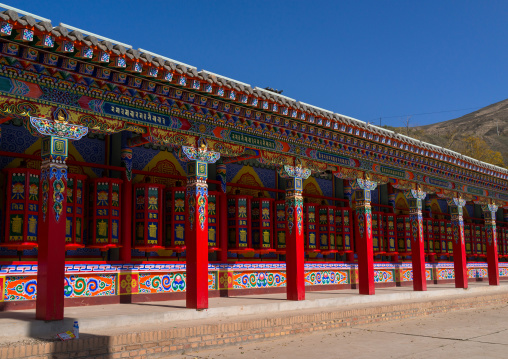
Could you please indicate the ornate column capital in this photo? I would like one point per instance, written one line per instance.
(458, 202)
(415, 194)
(489, 207)
(58, 128)
(288, 171)
(363, 184)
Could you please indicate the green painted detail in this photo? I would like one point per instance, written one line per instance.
(252, 140)
(473, 190)
(5, 84)
(392, 171)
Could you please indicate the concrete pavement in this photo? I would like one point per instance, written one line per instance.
(114, 318)
(471, 333)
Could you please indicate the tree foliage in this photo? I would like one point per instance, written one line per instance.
(477, 148)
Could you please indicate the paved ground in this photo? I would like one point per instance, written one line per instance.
(117, 318)
(473, 333)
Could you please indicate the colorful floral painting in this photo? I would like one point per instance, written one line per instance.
(265, 279)
(407, 274)
(162, 283)
(445, 273)
(383, 276)
(90, 285)
(20, 288)
(326, 277)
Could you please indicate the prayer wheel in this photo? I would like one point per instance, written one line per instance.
(484, 241)
(440, 240)
(476, 240)
(239, 223)
(262, 224)
(503, 233)
(449, 237)
(311, 232)
(391, 234)
(343, 227)
(104, 213)
(404, 234)
(499, 241)
(148, 216)
(428, 235)
(327, 229)
(281, 227)
(468, 238)
(174, 199)
(75, 212)
(22, 210)
(213, 221)
(378, 232)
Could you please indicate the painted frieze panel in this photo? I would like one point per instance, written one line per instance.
(445, 273)
(327, 277)
(406, 275)
(384, 276)
(264, 279)
(20, 288)
(97, 285)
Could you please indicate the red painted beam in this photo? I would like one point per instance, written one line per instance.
(238, 159)
(69, 162)
(5, 119)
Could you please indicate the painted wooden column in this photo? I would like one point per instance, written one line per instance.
(52, 229)
(456, 206)
(295, 255)
(196, 226)
(223, 214)
(489, 214)
(125, 250)
(364, 247)
(414, 198)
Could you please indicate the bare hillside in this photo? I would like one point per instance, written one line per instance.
(489, 123)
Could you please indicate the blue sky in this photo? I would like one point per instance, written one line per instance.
(364, 59)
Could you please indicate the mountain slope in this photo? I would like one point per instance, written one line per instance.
(489, 123)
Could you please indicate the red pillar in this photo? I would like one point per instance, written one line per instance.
(196, 226)
(51, 252)
(456, 206)
(223, 214)
(415, 198)
(295, 255)
(489, 212)
(125, 250)
(364, 230)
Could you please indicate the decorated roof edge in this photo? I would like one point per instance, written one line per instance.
(276, 103)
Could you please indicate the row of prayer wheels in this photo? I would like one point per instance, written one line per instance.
(23, 209)
(260, 225)
(158, 213)
(253, 224)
